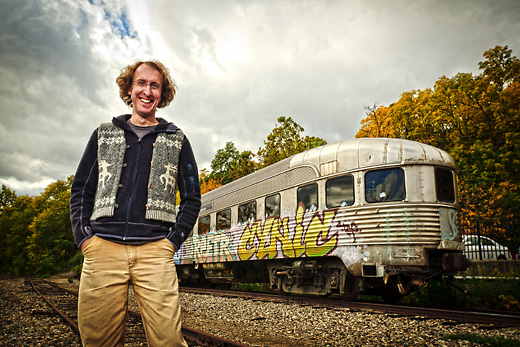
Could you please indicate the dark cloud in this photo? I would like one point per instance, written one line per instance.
(50, 77)
(239, 66)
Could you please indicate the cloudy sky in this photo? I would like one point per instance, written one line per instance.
(239, 66)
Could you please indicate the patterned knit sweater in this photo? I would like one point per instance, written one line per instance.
(125, 187)
(163, 173)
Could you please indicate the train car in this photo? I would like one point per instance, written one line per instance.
(370, 215)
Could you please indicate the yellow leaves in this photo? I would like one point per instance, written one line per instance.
(476, 118)
(208, 183)
(377, 123)
(508, 302)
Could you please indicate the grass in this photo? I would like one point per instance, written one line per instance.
(484, 341)
(484, 294)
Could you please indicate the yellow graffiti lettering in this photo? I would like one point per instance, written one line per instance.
(317, 239)
(299, 232)
(247, 247)
(264, 236)
(280, 236)
(307, 234)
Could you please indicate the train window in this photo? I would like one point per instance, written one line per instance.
(384, 185)
(272, 205)
(224, 219)
(204, 225)
(444, 185)
(340, 191)
(247, 212)
(308, 195)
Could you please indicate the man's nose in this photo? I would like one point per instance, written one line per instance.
(148, 89)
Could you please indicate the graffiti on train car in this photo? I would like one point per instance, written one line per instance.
(349, 228)
(304, 234)
(213, 246)
(448, 219)
(307, 234)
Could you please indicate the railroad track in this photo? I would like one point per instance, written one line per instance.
(65, 302)
(501, 319)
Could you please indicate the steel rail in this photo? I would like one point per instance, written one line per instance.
(196, 337)
(193, 336)
(63, 316)
(204, 339)
(461, 315)
(470, 316)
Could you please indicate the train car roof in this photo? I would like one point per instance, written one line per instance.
(369, 152)
(349, 155)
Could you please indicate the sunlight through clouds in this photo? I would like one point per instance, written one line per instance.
(239, 65)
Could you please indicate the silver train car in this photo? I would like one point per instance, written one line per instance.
(370, 215)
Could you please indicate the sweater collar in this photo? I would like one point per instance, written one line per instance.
(163, 127)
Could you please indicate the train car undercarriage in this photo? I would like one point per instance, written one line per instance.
(323, 276)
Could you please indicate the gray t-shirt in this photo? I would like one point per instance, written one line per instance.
(140, 131)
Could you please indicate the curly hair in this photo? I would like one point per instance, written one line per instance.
(126, 78)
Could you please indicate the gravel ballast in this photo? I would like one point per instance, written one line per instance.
(28, 321)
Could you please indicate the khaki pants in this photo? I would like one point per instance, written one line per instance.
(108, 269)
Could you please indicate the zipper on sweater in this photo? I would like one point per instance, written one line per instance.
(134, 178)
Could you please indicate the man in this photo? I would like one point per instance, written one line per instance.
(124, 215)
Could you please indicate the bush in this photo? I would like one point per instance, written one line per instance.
(485, 294)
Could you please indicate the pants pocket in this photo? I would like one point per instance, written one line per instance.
(90, 244)
(168, 245)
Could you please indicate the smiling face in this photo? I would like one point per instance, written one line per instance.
(145, 93)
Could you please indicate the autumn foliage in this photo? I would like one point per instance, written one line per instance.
(475, 118)
(285, 140)
(35, 232)
(207, 183)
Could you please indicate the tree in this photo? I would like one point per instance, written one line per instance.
(51, 246)
(243, 165)
(284, 141)
(475, 118)
(7, 197)
(14, 235)
(207, 183)
(222, 163)
(500, 66)
(229, 164)
(377, 122)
